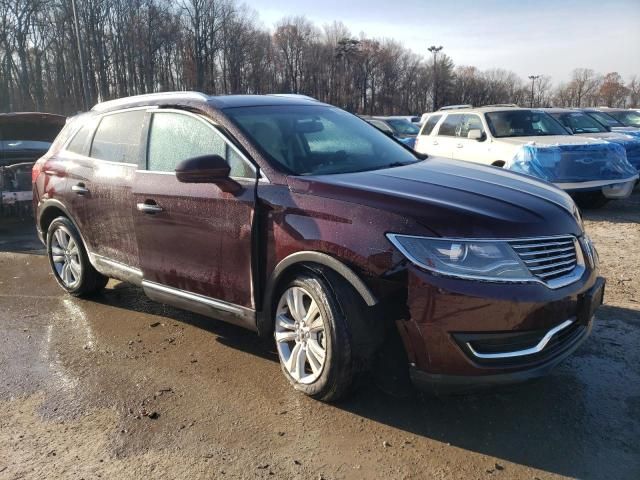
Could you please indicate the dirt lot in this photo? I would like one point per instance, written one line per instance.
(120, 387)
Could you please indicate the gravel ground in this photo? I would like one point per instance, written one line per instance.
(122, 387)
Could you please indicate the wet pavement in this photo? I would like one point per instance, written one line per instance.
(120, 386)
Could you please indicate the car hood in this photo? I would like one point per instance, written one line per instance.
(550, 140)
(455, 199)
(607, 136)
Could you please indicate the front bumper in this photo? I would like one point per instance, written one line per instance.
(448, 317)
(613, 189)
(447, 384)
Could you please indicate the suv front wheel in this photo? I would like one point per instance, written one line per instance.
(69, 260)
(313, 338)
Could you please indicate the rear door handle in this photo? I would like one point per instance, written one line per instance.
(80, 189)
(435, 142)
(149, 208)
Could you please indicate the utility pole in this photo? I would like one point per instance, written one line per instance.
(85, 85)
(533, 79)
(433, 49)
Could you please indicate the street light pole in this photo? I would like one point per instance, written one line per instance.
(533, 79)
(85, 86)
(433, 49)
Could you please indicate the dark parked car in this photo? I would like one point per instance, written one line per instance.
(24, 137)
(301, 221)
(401, 128)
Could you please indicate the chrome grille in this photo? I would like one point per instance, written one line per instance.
(548, 258)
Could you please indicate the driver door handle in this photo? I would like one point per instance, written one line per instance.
(435, 142)
(148, 207)
(459, 145)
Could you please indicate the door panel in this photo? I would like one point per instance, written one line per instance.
(471, 150)
(108, 210)
(200, 241)
(194, 237)
(446, 140)
(102, 189)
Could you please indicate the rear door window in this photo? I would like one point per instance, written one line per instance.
(174, 137)
(451, 125)
(117, 138)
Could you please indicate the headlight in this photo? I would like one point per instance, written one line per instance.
(592, 253)
(473, 259)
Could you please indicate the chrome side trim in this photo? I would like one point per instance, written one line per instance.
(114, 269)
(528, 351)
(219, 309)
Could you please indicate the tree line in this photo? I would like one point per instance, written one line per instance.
(220, 46)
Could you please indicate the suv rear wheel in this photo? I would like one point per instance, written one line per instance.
(313, 338)
(69, 260)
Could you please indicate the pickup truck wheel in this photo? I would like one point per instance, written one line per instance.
(313, 338)
(69, 261)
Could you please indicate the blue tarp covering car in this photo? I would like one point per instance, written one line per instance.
(588, 166)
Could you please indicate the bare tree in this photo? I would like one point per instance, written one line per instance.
(219, 46)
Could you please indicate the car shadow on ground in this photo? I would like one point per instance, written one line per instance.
(617, 211)
(547, 424)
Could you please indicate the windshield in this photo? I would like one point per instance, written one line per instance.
(579, 122)
(318, 140)
(627, 118)
(605, 119)
(523, 123)
(403, 127)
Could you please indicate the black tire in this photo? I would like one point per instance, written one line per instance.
(348, 350)
(90, 281)
(590, 200)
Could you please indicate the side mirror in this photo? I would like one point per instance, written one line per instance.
(475, 134)
(207, 169)
(607, 128)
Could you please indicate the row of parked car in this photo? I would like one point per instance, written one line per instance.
(593, 154)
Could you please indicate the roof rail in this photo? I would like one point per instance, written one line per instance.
(182, 95)
(454, 107)
(501, 105)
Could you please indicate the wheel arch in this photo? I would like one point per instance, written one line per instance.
(305, 261)
(48, 212)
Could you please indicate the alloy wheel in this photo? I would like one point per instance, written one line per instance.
(65, 256)
(300, 334)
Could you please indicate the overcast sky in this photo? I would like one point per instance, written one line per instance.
(529, 37)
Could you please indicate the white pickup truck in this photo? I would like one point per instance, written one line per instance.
(532, 142)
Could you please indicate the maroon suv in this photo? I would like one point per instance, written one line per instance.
(296, 219)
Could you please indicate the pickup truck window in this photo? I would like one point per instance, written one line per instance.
(523, 123)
